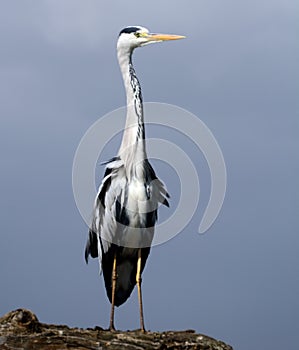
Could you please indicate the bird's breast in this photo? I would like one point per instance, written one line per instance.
(136, 190)
(139, 200)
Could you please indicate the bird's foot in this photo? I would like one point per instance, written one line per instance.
(112, 328)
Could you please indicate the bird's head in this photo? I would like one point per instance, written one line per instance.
(136, 36)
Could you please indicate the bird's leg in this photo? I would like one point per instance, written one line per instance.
(114, 278)
(138, 281)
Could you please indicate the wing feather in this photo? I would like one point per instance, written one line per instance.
(110, 205)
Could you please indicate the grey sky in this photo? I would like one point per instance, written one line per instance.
(237, 71)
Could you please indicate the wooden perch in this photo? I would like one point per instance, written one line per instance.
(20, 329)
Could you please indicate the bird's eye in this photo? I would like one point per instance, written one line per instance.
(138, 35)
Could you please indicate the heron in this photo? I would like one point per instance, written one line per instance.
(125, 209)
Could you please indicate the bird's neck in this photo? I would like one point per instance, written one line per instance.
(132, 149)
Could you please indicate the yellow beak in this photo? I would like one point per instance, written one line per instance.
(163, 37)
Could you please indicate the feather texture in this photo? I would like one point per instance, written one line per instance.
(119, 226)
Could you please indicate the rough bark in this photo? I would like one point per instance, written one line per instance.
(20, 329)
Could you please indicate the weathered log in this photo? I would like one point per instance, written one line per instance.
(20, 329)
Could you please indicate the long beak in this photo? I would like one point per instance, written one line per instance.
(163, 37)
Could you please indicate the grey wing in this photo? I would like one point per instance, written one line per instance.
(103, 216)
(109, 209)
(159, 191)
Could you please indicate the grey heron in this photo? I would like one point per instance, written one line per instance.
(125, 210)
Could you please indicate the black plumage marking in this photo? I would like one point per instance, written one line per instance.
(111, 160)
(91, 246)
(106, 184)
(150, 175)
(137, 102)
(92, 241)
(121, 215)
(129, 30)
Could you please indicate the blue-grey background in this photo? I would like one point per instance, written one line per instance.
(238, 71)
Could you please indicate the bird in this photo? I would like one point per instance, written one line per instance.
(126, 204)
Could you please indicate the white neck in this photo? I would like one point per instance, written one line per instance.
(132, 150)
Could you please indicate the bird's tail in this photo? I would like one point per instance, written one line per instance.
(126, 275)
